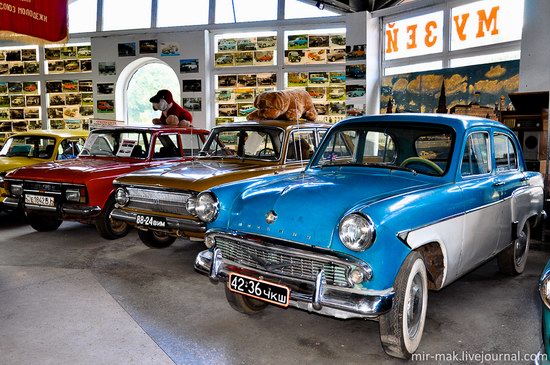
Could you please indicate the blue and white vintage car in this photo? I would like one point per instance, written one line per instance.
(389, 207)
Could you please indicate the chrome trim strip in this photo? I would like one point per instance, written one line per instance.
(80, 210)
(318, 295)
(44, 182)
(11, 202)
(171, 223)
(40, 208)
(42, 192)
(155, 188)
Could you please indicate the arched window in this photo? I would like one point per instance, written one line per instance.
(144, 83)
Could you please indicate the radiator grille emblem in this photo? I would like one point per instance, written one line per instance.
(271, 217)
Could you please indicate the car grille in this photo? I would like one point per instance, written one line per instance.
(42, 187)
(158, 201)
(300, 266)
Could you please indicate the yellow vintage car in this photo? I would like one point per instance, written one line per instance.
(29, 148)
(160, 201)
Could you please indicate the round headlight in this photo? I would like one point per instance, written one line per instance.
(122, 197)
(356, 232)
(544, 289)
(206, 207)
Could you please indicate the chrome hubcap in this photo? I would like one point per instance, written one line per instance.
(520, 247)
(414, 306)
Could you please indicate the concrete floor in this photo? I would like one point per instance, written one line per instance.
(71, 297)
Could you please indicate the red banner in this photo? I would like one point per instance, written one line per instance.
(34, 21)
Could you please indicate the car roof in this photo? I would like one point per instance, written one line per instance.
(63, 133)
(456, 121)
(285, 124)
(153, 128)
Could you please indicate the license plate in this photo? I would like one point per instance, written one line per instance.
(150, 221)
(47, 201)
(259, 289)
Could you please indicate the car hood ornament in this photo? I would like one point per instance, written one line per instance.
(270, 217)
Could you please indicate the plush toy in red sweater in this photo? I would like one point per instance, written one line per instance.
(172, 113)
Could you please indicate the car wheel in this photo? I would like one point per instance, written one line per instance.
(43, 223)
(243, 303)
(402, 327)
(108, 228)
(154, 239)
(513, 259)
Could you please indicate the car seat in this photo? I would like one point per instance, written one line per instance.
(137, 151)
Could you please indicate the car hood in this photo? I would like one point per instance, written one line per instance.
(309, 206)
(11, 163)
(74, 171)
(196, 175)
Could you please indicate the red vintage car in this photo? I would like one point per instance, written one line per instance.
(82, 189)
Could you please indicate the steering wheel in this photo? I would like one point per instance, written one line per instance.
(266, 152)
(424, 162)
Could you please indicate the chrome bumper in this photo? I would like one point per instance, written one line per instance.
(65, 211)
(172, 224)
(315, 297)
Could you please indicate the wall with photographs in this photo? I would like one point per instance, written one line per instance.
(27, 77)
(480, 90)
(119, 57)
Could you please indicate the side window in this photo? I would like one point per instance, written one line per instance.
(505, 153)
(341, 146)
(69, 148)
(300, 145)
(192, 144)
(475, 160)
(167, 146)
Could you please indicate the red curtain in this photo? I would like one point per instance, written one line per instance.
(34, 21)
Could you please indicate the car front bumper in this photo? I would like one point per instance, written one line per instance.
(65, 211)
(174, 226)
(317, 297)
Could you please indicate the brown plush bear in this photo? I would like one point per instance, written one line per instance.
(289, 104)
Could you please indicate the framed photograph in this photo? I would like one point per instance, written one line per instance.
(224, 95)
(336, 93)
(17, 101)
(169, 49)
(298, 79)
(336, 55)
(355, 91)
(55, 113)
(267, 79)
(16, 68)
(3, 87)
(263, 58)
(227, 80)
(28, 55)
(84, 51)
(246, 80)
(244, 95)
(15, 87)
(86, 111)
(72, 66)
(316, 56)
(85, 86)
(4, 114)
(227, 45)
(70, 85)
(34, 125)
(191, 85)
(316, 93)
(53, 53)
(299, 41)
(105, 88)
(5, 126)
(4, 101)
(31, 67)
(73, 123)
(57, 124)
(2, 55)
(30, 87)
(87, 99)
(73, 99)
(14, 55)
(56, 67)
(32, 113)
(224, 59)
(355, 110)
(21, 126)
(260, 90)
(85, 65)
(227, 110)
(356, 52)
(337, 40)
(68, 52)
(105, 106)
(71, 112)
(192, 104)
(295, 57)
(17, 113)
(189, 66)
(337, 108)
(4, 69)
(322, 108)
(220, 121)
(127, 49)
(148, 46)
(243, 109)
(338, 78)
(316, 41)
(53, 87)
(32, 100)
(246, 44)
(318, 78)
(107, 68)
(266, 43)
(57, 99)
(356, 71)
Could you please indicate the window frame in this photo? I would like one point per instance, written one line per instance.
(490, 157)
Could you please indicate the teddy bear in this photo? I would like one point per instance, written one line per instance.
(290, 104)
(172, 113)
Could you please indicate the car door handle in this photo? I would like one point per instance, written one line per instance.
(499, 183)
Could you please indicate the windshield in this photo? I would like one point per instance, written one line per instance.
(118, 143)
(419, 148)
(245, 142)
(29, 146)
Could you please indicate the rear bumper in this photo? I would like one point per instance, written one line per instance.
(317, 297)
(173, 225)
(64, 211)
